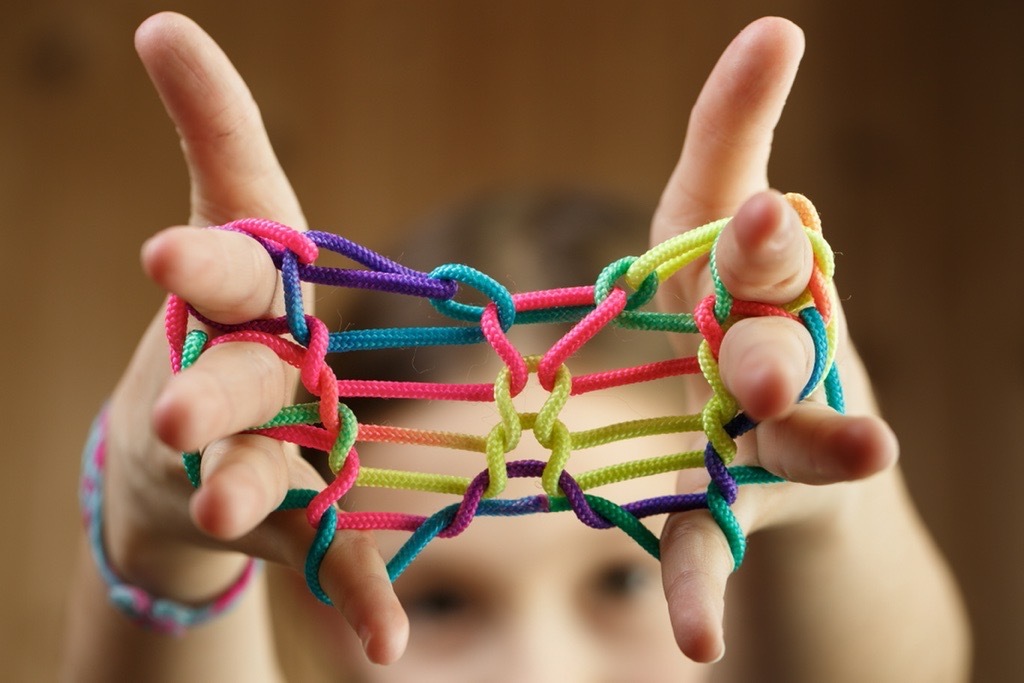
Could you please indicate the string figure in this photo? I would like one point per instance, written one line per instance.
(328, 424)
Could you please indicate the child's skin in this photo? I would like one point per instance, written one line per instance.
(858, 591)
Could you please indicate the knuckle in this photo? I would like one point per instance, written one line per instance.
(696, 539)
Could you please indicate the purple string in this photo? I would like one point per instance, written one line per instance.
(727, 485)
(386, 276)
(574, 495)
(517, 507)
(681, 502)
(398, 283)
(276, 326)
(578, 501)
(475, 491)
(359, 253)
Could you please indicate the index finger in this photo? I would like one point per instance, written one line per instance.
(232, 165)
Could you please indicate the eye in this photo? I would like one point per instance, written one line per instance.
(437, 603)
(622, 581)
(622, 599)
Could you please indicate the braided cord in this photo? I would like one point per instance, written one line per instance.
(330, 426)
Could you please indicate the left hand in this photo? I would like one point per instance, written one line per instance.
(764, 256)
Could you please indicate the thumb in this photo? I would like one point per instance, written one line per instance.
(232, 166)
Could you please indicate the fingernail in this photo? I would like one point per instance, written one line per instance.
(365, 637)
(761, 222)
(783, 227)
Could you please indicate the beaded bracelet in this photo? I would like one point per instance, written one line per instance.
(154, 613)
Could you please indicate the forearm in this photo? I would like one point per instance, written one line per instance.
(865, 597)
(102, 644)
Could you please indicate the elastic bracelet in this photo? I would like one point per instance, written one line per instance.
(154, 613)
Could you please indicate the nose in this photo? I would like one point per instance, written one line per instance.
(546, 641)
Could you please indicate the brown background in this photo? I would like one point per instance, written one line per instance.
(905, 128)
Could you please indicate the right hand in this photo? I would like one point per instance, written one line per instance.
(161, 534)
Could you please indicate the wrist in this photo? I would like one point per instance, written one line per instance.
(190, 582)
(832, 520)
(147, 532)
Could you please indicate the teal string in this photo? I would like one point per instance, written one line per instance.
(815, 325)
(723, 514)
(296, 499)
(612, 272)
(487, 285)
(834, 389)
(723, 298)
(318, 550)
(293, 306)
(191, 348)
(621, 518)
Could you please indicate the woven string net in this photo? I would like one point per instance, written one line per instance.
(328, 425)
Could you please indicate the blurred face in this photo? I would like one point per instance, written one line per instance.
(537, 598)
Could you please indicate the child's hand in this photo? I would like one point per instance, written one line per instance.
(763, 255)
(160, 534)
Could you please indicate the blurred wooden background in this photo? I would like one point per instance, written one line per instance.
(905, 128)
